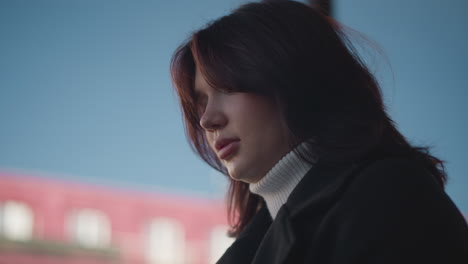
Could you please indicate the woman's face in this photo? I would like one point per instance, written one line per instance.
(243, 129)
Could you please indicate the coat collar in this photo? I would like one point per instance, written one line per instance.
(320, 185)
(244, 247)
(267, 241)
(312, 198)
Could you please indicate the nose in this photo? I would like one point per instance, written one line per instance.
(212, 118)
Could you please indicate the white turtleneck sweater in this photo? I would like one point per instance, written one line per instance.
(276, 186)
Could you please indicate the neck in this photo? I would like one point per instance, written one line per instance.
(276, 186)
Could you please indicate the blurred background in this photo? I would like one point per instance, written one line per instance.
(94, 163)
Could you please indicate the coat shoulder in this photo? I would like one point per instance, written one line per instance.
(394, 208)
(397, 187)
(397, 176)
(398, 173)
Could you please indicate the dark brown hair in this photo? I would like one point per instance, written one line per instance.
(303, 61)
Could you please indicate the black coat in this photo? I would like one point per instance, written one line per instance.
(386, 211)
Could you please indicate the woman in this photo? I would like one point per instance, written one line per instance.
(275, 98)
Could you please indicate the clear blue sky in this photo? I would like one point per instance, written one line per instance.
(85, 91)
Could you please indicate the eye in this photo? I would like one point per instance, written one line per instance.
(223, 91)
(201, 102)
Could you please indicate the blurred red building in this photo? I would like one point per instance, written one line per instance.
(45, 221)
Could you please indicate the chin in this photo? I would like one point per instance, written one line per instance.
(236, 169)
(242, 177)
(235, 176)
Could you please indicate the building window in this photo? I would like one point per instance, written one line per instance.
(89, 228)
(219, 242)
(16, 220)
(165, 241)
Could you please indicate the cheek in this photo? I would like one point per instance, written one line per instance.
(264, 115)
(259, 122)
(255, 108)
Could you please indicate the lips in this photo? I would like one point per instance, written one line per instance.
(226, 147)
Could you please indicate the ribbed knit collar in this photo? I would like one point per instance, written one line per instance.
(276, 186)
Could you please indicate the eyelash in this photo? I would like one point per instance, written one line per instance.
(200, 105)
(201, 101)
(201, 109)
